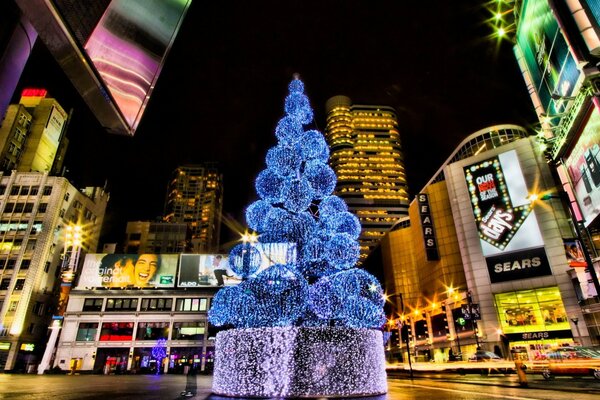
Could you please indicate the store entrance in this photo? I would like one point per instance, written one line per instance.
(111, 361)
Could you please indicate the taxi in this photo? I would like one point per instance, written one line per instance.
(572, 361)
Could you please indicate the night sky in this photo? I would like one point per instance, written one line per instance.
(221, 92)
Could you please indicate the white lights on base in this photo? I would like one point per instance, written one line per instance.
(293, 362)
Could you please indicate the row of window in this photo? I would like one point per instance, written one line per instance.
(121, 331)
(146, 304)
(5, 283)
(24, 207)
(17, 190)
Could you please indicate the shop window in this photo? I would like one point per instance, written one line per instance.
(531, 310)
(188, 330)
(86, 332)
(115, 331)
(92, 305)
(191, 304)
(156, 304)
(126, 304)
(152, 330)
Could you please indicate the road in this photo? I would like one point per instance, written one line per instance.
(169, 387)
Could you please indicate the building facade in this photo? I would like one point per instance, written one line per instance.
(155, 237)
(503, 279)
(32, 134)
(366, 155)
(35, 210)
(195, 197)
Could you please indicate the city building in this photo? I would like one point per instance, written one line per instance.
(195, 197)
(155, 237)
(35, 212)
(366, 156)
(484, 260)
(32, 134)
(557, 45)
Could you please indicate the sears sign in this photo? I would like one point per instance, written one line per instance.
(509, 234)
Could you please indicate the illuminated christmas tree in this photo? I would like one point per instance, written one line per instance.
(318, 285)
(308, 326)
(159, 352)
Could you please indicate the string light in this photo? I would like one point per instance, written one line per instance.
(297, 194)
(321, 178)
(289, 130)
(244, 259)
(314, 147)
(331, 205)
(256, 214)
(268, 186)
(284, 160)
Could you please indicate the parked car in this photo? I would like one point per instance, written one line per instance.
(481, 355)
(572, 361)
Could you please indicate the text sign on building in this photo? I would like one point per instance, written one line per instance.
(427, 227)
(509, 234)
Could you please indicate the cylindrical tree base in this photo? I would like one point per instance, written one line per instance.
(299, 362)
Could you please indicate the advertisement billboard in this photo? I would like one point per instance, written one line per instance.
(545, 52)
(202, 270)
(128, 271)
(509, 234)
(583, 167)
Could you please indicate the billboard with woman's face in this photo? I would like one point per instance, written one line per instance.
(128, 271)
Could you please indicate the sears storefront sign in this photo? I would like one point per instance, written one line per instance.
(509, 234)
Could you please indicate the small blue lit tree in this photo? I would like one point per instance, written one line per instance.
(159, 352)
(318, 284)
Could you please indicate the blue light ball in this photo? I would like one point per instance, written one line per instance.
(358, 282)
(324, 301)
(268, 186)
(232, 305)
(313, 146)
(296, 86)
(298, 107)
(281, 295)
(256, 214)
(360, 313)
(284, 160)
(344, 222)
(321, 178)
(289, 130)
(342, 251)
(297, 195)
(332, 205)
(244, 259)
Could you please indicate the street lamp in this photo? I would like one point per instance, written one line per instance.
(403, 321)
(70, 261)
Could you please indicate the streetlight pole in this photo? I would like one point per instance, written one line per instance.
(576, 322)
(406, 337)
(70, 262)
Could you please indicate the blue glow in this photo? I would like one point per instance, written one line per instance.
(297, 195)
(296, 86)
(233, 305)
(314, 146)
(284, 160)
(321, 178)
(343, 222)
(332, 205)
(289, 130)
(268, 186)
(281, 296)
(298, 107)
(244, 259)
(256, 214)
(361, 313)
(342, 251)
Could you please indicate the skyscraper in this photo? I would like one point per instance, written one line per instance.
(32, 134)
(367, 157)
(195, 197)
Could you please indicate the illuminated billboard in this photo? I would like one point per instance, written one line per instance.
(544, 54)
(583, 167)
(509, 234)
(128, 271)
(202, 270)
(117, 67)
